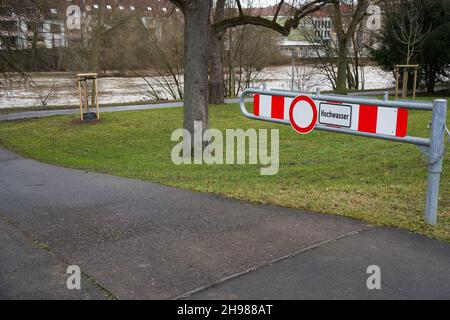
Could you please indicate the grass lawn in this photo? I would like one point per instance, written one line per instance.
(380, 182)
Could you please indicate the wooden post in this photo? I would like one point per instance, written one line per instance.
(86, 97)
(405, 79)
(93, 93)
(96, 99)
(415, 83)
(83, 88)
(81, 98)
(405, 83)
(397, 78)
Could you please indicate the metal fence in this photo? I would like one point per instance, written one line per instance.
(433, 146)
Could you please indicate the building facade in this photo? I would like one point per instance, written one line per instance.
(57, 23)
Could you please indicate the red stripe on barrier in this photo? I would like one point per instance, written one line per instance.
(402, 123)
(277, 107)
(368, 118)
(256, 104)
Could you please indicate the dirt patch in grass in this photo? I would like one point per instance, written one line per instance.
(79, 122)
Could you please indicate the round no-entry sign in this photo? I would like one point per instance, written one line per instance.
(303, 114)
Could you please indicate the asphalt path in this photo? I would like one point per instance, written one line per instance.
(140, 240)
(49, 113)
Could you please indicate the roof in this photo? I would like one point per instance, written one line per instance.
(324, 12)
(149, 6)
(291, 43)
(285, 11)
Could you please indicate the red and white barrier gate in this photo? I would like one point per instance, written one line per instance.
(380, 119)
(356, 117)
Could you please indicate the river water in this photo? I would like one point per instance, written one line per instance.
(62, 88)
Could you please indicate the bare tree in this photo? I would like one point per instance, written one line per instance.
(346, 24)
(198, 28)
(45, 91)
(303, 78)
(20, 53)
(408, 30)
(249, 50)
(169, 52)
(160, 55)
(101, 25)
(13, 38)
(323, 49)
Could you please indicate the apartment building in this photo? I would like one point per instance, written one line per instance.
(57, 23)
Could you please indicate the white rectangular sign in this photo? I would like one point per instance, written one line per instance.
(335, 114)
(364, 118)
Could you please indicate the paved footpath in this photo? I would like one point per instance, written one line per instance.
(49, 113)
(139, 240)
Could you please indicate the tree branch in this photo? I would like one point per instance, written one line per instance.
(179, 3)
(358, 15)
(285, 29)
(239, 5)
(278, 10)
(247, 19)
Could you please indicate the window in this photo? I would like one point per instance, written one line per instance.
(55, 28)
(33, 26)
(8, 41)
(8, 26)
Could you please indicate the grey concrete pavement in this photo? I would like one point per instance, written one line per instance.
(412, 267)
(28, 271)
(141, 240)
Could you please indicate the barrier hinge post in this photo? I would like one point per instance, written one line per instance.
(435, 159)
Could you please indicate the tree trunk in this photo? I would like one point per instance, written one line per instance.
(216, 79)
(197, 28)
(342, 63)
(96, 39)
(430, 79)
(216, 84)
(344, 38)
(95, 55)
